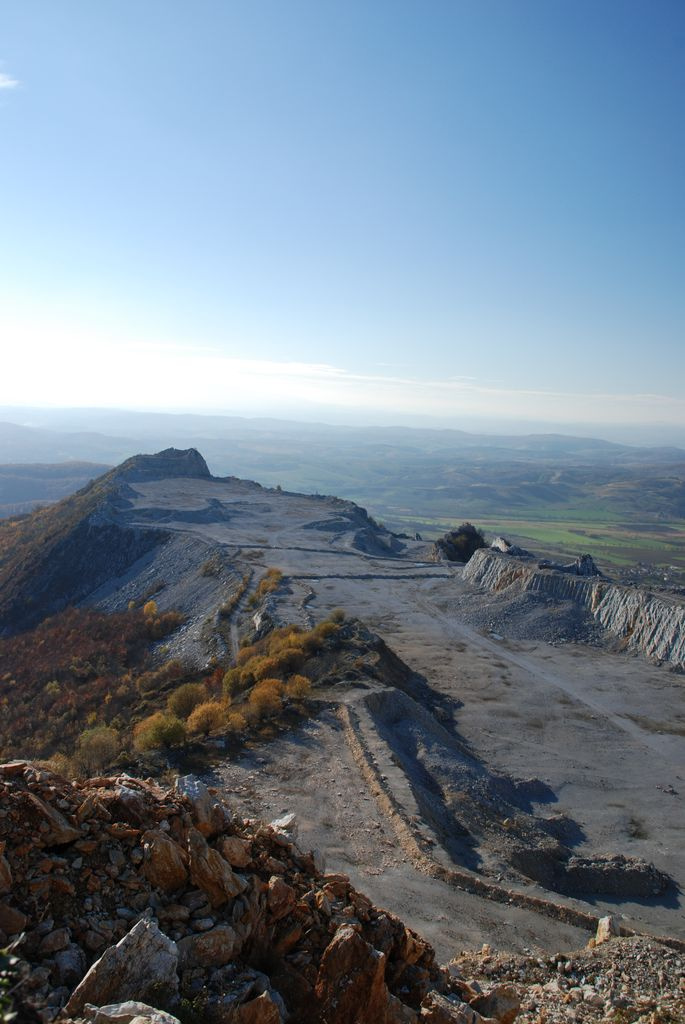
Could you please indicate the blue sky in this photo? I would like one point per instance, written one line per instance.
(376, 209)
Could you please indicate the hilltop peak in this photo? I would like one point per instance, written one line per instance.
(172, 462)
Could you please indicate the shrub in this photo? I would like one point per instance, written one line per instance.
(298, 687)
(158, 626)
(236, 722)
(245, 653)
(150, 609)
(96, 748)
(185, 699)
(158, 730)
(232, 682)
(155, 679)
(268, 583)
(337, 616)
(459, 545)
(265, 700)
(207, 717)
(314, 640)
(212, 567)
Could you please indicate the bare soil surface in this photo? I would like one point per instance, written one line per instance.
(524, 688)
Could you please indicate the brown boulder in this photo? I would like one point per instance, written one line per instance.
(213, 948)
(59, 831)
(237, 851)
(54, 942)
(164, 864)
(5, 873)
(280, 897)
(11, 920)
(210, 872)
(438, 1009)
(262, 1010)
(501, 1002)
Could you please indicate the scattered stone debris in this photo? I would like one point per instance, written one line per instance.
(624, 980)
(583, 565)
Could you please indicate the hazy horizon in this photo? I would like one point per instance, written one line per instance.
(70, 418)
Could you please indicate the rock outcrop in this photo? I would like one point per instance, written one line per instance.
(172, 462)
(112, 894)
(653, 625)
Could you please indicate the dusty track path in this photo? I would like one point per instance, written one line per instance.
(460, 632)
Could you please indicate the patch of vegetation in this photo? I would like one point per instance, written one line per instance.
(61, 546)
(97, 748)
(207, 717)
(158, 731)
(279, 655)
(458, 545)
(274, 674)
(184, 699)
(636, 829)
(77, 671)
(269, 582)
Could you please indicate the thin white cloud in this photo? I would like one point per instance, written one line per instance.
(7, 82)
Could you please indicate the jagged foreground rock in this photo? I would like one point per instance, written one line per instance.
(123, 891)
(653, 625)
(125, 900)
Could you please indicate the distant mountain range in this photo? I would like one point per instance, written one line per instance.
(411, 478)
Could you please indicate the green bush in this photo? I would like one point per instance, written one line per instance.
(459, 545)
(182, 702)
(96, 748)
(157, 731)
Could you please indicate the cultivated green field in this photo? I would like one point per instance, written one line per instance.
(611, 543)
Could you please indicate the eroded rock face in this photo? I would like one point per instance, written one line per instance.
(646, 623)
(438, 1009)
(200, 800)
(238, 852)
(58, 831)
(172, 462)
(351, 983)
(502, 1002)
